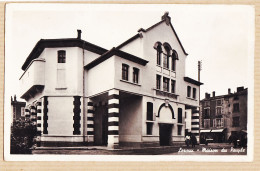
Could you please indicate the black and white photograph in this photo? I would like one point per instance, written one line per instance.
(129, 82)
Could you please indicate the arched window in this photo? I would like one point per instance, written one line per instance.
(174, 58)
(158, 47)
(166, 55)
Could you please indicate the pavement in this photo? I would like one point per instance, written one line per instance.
(210, 149)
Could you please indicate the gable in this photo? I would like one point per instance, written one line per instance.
(165, 20)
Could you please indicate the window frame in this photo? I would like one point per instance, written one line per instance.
(194, 93)
(158, 81)
(135, 75)
(167, 88)
(188, 91)
(174, 59)
(61, 56)
(125, 73)
(236, 107)
(208, 123)
(236, 123)
(173, 86)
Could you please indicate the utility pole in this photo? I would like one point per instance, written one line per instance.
(199, 69)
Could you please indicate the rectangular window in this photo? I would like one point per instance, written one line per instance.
(206, 123)
(61, 56)
(218, 110)
(135, 75)
(179, 129)
(194, 93)
(218, 122)
(188, 91)
(165, 84)
(125, 72)
(207, 103)
(22, 111)
(158, 57)
(173, 86)
(219, 103)
(236, 107)
(158, 82)
(149, 111)
(206, 112)
(149, 128)
(173, 64)
(165, 61)
(179, 115)
(235, 122)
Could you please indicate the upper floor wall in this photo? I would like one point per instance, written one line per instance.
(172, 84)
(59, 70)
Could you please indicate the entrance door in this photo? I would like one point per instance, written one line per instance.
(101, 125)
(165, 133)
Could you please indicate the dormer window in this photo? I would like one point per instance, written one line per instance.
(61, 56)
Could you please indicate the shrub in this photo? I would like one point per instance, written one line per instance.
(22, 137)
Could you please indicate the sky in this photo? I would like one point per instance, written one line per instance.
(221, 36)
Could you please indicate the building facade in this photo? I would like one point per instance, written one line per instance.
(135, 94)
(17, 109)
(224, 116)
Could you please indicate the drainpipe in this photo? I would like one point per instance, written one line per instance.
(83, 91)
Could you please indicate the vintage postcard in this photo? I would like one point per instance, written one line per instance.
(129, 82)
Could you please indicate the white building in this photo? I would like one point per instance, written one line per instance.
(133, 95)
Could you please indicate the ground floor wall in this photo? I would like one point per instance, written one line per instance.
(157, 114)
(123, 118)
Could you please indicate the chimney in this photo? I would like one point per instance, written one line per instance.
(229, 91)
(15, 98)
(79, 34)
(207, 95)
(166, 17)
(213, 93)
(240, 89)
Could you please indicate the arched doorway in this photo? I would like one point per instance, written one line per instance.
(165, 114)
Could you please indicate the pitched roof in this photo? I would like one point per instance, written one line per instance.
(165, 18)
(53, 43)
(119, 53)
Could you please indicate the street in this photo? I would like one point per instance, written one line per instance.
(211, 149)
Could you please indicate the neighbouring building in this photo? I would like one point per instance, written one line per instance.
(17, 109)
(224, 116)
(136, 94)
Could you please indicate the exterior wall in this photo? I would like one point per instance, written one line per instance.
(188, 120)
(242, 113)
(100, 78)
(227, 112)
(34, 75)
(165, 117)
(130, 119)
(129, 85)
(73, 67)
(162, 33)
(135, 47)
